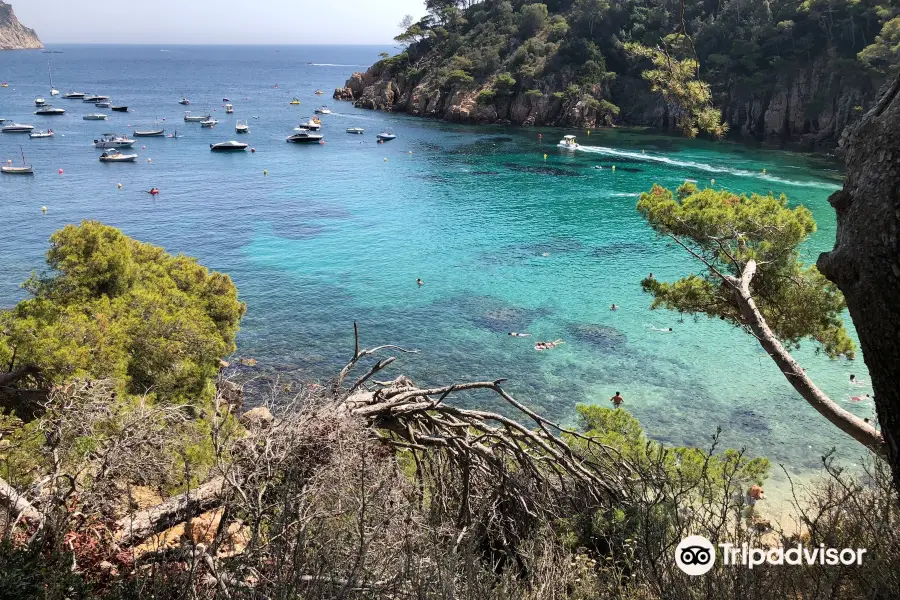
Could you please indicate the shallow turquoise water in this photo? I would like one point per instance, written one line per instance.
(504, 239)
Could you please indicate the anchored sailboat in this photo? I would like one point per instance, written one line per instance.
(53, 90)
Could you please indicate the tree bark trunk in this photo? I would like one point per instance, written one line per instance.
(865, 261)
(17, 502)
(847, 422)
(141, 525)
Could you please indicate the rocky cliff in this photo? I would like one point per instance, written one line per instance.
(14, 35)
(806, 106)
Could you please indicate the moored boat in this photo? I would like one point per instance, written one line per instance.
(151, 133)
(312, 125)
(10, 169)
(387, 135)
(119, 108)
(39, 102)
(568, 143)
(16, 128)
(48, 110)
(111, 156)
(105, 104)
(305, 137)
(208, 123)
(95, 117)
(229, 109)
(295, 102)
(242, 127)
(41, 134)
(184, 102)
(114, 141)
(94, 99)
(74, 96)
(189, 118)
(356, 130)
(231, 146)
(323, 110)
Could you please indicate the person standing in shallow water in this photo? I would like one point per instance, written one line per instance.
(617, 400)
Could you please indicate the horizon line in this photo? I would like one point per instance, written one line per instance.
(200, 44)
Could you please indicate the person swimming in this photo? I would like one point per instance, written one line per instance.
(153, 191)
(548, 345)
(860, 398)
(420, 282)
(614, 307)
(515, 334)
(661, 330)
(617, 400)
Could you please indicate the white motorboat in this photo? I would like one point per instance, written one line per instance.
(50, 111)
(231, 146)
(387, 135)
(39, 102)
(95, 117)
(356, 130)
(323, 110)
(151, 133)
(568, 143)
(17, 128)
(114, 141)
(41, 134)
(25, 169)
(189, 118)
(184, 102)
(311, 125)
(105, 104)
(114, 155)
(95, 99)
(74, 96)
(304, 136)
(229, 109)
(242, 127)
(208, 123)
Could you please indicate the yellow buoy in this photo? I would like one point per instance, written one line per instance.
(43, 209)
(265, 172)
(642, 151)
(764, 171)
(545, 157)
(119, 185)
(410, 151)
(712, 182)
(385, 160)
(614, 167)
(589, 132)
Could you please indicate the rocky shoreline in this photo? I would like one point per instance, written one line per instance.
(14, 35)
(804, 106)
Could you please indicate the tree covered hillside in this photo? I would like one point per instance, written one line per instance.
(783, 68)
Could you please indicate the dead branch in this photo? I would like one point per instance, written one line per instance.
(18, 503)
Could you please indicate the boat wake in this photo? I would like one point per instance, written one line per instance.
(688, 164)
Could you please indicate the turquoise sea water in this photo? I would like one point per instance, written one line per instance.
(503, 239)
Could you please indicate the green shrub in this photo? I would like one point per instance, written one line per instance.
(486, 96)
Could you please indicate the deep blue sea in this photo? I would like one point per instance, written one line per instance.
(504, 239)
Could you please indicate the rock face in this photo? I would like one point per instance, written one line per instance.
(808, 106)
(14, 35)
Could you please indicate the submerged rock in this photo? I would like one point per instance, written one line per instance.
(599, 336)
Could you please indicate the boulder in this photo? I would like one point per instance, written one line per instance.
(258, 418)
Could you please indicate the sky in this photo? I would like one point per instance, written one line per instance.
(216, 21)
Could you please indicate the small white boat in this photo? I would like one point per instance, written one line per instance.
(311, 125)
(17, 128)
(568, 143)
(74, 96)
(242, 127)
(114, 141)
(323, 110)
(189, 118)
(356, 130)
(304, 136)
(105, 104)
(208, 123)
(114, 155)
(95, 117)
(39, 102)
(231, 146)
(184, 102)
(94, 99)
(25, 169)
(53, 90)
(49, 111)
(387, 135)
(41, 134)
(229, 109)
(151, 133)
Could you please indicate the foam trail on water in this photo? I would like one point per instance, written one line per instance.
(689, 164)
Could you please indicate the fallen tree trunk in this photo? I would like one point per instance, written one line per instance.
(133, 529)
(19, 505)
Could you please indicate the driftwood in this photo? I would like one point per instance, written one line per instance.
(139, 526)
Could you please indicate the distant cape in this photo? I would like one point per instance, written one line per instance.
(14, 35)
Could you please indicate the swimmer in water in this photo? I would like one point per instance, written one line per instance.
(613, 307)
(860, 398)
(420, 282)
(663, 330)
(855, 381)
(153, 191)
(514, 334)
(548, 345)
(617, 400)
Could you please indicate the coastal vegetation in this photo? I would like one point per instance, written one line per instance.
(791, 68)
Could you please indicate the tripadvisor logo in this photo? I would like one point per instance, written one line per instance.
(696, 555)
